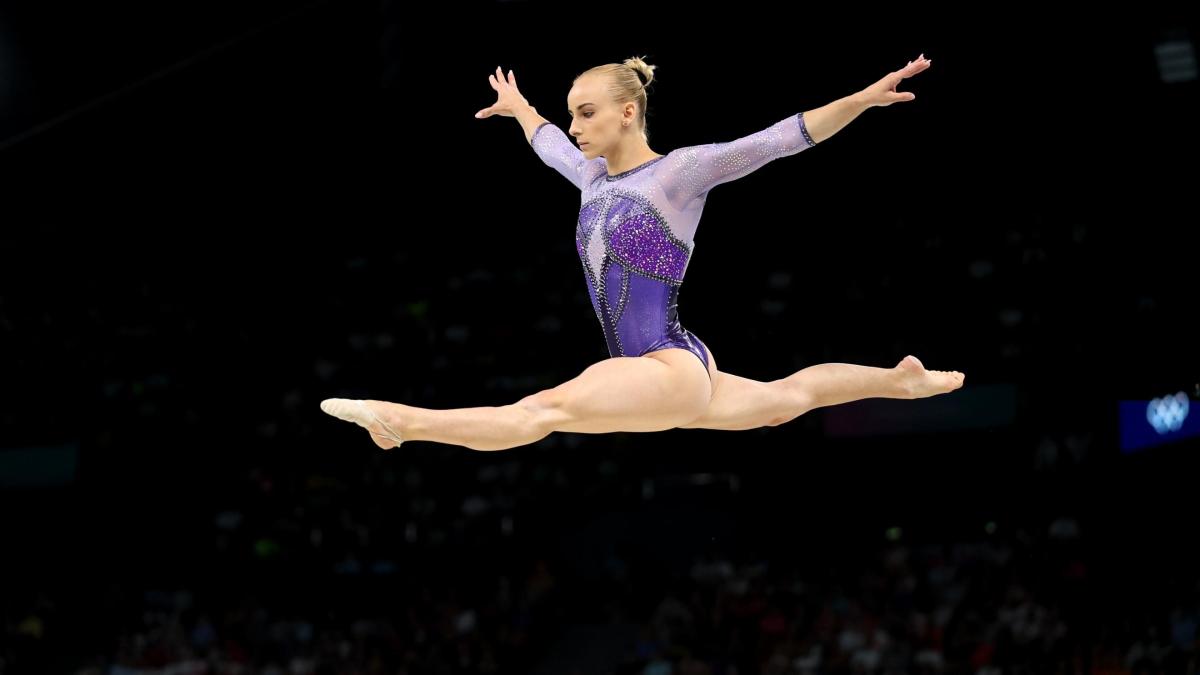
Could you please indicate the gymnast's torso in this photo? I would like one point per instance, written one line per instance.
(636, 230)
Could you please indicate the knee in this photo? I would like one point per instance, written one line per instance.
(803, 401)
(797, 402)
(548, 399)
(540, 411)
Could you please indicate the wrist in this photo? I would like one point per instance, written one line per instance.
(860, 100)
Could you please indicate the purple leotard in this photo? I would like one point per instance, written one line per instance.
(635, 230)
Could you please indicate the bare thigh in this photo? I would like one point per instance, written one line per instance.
(655, 392)
(739, 403)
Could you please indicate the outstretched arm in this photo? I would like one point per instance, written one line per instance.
(829, 119)
(695, 170)
(692, 171)
(547, 140)
(510, 103)
(557, 151)
(530, 120)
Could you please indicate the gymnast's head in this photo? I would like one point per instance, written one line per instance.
(608, 107)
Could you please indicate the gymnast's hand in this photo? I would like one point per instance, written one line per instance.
(508, 97)
(883, 92)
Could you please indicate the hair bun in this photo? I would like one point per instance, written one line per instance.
(644, 71)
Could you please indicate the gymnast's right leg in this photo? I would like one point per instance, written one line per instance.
(624, 393)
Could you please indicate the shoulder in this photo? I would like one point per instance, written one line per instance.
(682, 156)
(595, 169)
(680, 159)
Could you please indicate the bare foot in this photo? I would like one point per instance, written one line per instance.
(378, 417)
(921, 383)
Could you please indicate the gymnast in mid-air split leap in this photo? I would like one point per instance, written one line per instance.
(638, 216)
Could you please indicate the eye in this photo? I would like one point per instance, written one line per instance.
(587, 114)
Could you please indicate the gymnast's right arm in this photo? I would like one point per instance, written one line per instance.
(510, 103)
(547, 140)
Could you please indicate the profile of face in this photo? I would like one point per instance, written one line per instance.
(597, 122)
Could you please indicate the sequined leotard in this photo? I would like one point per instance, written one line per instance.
(635, 230)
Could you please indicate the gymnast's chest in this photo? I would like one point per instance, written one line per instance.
(613, 220)
(626, 227)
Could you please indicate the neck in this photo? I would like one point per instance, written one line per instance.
(629, 155)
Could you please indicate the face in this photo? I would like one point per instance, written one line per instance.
(595, 119)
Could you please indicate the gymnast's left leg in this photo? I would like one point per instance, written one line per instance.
(741, 403)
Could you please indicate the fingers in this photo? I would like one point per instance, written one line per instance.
(914, 67)
(498, 81)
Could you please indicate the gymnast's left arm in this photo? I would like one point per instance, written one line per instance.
(827, 120)
(694, 170)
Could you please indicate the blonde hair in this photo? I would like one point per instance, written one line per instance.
(627, 82)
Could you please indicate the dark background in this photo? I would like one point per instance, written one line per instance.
(218, 214)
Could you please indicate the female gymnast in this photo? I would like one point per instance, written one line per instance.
(634, 237)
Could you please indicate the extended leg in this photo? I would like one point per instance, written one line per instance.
(741, 403)
(829, 384)
(618, 394)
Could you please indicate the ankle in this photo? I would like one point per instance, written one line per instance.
(901, 381)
